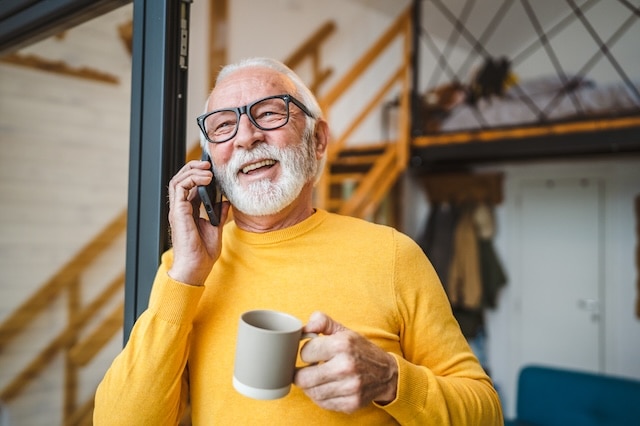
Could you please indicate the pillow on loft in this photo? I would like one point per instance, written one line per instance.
(546, 85)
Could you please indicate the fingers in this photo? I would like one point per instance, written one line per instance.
(319, 349)
(347, 371)
(343, 396)
(335, 381)
(321, 323)
(324, 348)
(184, 207)
(182, 186)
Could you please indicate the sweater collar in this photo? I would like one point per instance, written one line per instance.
(280, 235)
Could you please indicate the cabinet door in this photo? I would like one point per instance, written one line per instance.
(561, 258)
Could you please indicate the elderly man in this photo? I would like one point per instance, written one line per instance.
(389, 350)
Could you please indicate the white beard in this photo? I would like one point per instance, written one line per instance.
(298, 166)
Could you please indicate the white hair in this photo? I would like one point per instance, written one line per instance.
(302, 91)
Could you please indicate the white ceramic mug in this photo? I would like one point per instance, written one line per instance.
(266, 352)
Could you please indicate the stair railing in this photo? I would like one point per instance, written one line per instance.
(311, 49)
(372, 188)
(78, 347)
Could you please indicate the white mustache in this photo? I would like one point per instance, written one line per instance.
(241, 158)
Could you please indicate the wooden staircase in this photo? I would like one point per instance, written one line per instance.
(352, 169)
(357, 178)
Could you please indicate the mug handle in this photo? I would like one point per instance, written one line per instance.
(304, 337)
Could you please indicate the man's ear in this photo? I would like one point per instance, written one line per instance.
(321, 137)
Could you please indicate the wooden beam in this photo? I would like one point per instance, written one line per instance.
(58, 67)
(464, 187)
(125, 31)
(589, 126)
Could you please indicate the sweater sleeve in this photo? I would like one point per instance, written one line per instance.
(147, 382)
(440, 381)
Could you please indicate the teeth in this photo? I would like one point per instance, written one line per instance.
(257, 165)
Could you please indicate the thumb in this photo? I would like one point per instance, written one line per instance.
(321, 323)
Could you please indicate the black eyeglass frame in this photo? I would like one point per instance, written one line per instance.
(246, 109)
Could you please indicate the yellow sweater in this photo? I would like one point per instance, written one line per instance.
(368, 277)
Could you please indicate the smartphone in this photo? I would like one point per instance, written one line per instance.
(211, 196)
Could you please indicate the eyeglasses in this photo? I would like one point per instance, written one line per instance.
(269, 113)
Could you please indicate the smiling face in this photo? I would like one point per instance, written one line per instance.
(263, 172)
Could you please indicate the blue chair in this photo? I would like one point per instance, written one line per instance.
(558, 397)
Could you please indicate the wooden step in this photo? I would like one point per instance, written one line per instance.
(340, 178)
(358, 159)
(351, 168)
(368, 149)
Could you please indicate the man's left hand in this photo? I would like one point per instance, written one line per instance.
(347, 371)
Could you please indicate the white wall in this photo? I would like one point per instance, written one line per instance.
(621, 328)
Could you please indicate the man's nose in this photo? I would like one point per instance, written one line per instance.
(248, 133)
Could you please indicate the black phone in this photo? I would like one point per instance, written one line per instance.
(211, 196)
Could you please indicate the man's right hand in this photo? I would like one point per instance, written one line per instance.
(196, 243)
